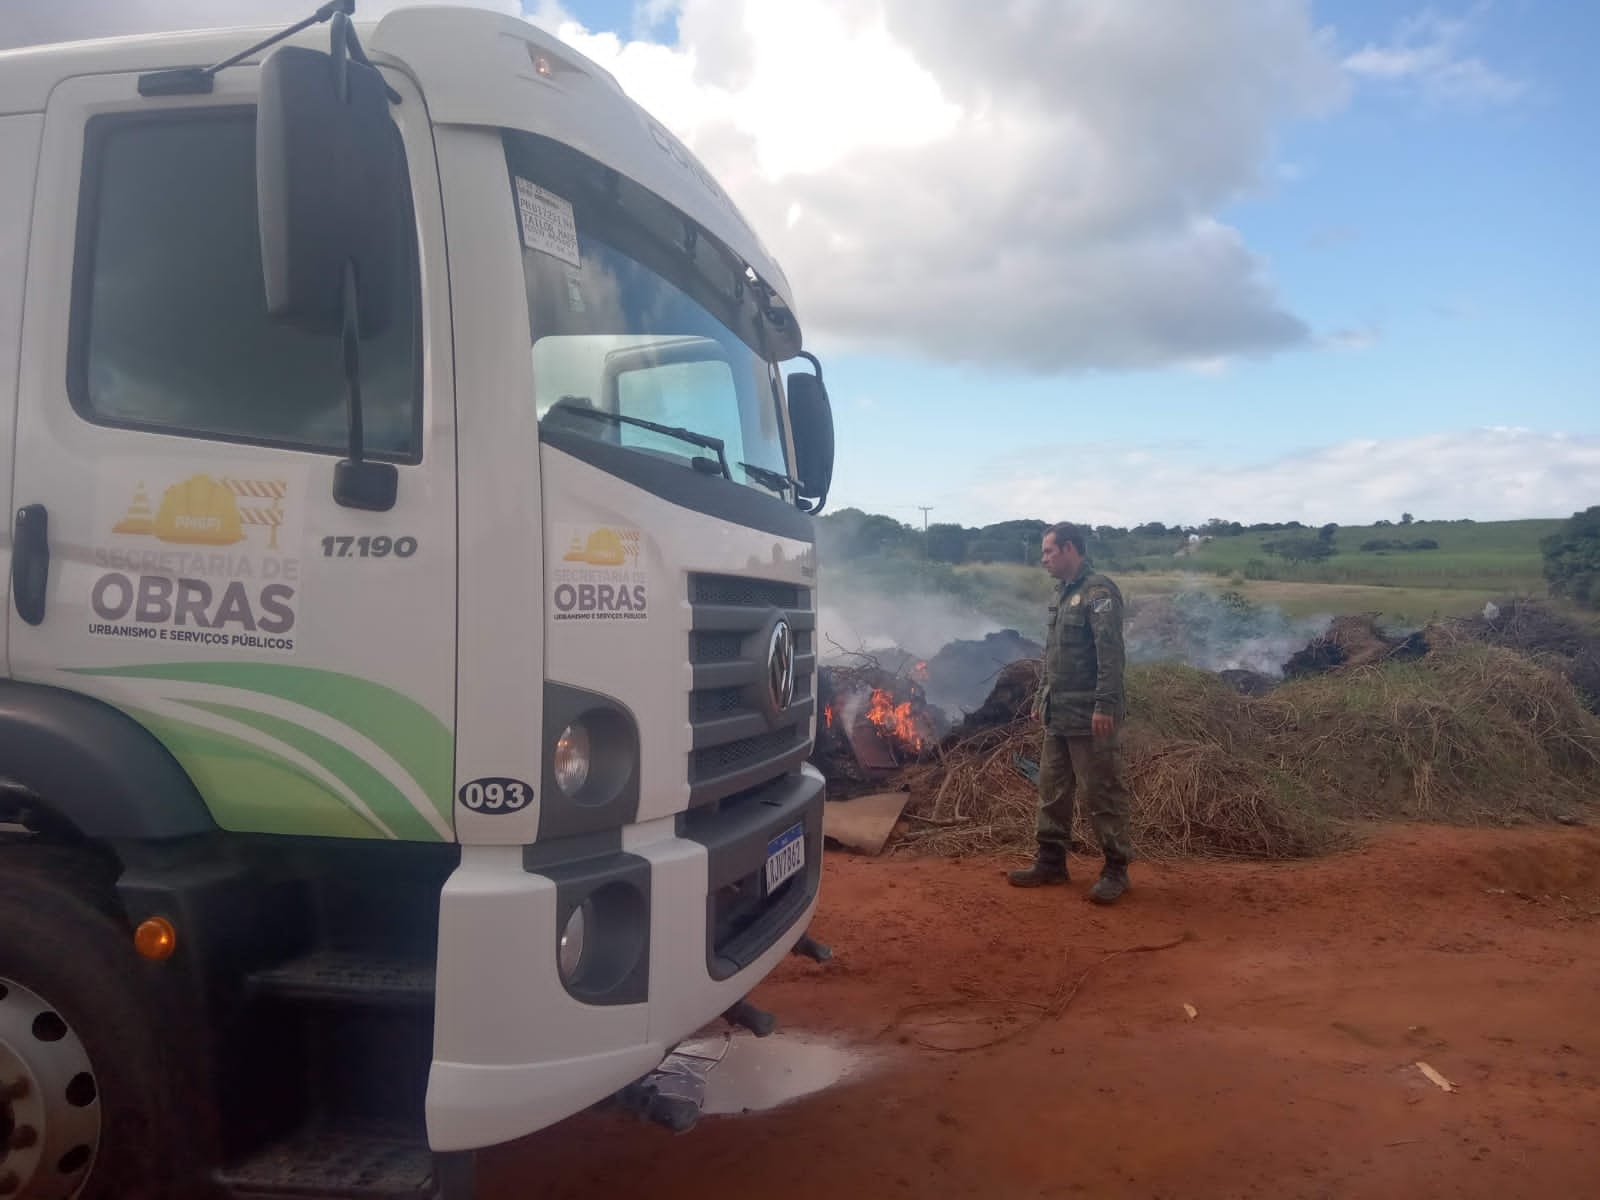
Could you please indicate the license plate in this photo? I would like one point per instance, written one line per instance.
(786, 854)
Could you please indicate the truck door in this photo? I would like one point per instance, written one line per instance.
(184, 557)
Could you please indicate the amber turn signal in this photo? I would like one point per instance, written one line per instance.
(155, 938)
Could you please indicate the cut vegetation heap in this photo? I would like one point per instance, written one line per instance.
(1476, 721)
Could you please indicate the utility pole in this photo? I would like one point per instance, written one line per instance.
(926, 508)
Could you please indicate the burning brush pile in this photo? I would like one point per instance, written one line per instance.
(873, 720)
(1484, 721)
(887, 711)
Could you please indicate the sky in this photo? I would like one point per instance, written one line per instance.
(1114, 262)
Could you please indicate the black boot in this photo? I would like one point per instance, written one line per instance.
(1049, 867)
(1112, 883)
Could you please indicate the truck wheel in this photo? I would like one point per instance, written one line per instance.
(83, 1113)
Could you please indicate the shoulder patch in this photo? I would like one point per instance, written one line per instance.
(1077, 599)
(1102, 605)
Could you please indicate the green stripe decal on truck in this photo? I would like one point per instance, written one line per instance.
(383, 799)
(418, 743)
(251, 789)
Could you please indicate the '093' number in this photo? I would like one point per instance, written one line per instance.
(496, 795)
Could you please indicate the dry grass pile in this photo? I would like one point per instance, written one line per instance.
(1533, 628)
(1353, 641)
(1196, 769)
(1471, 733)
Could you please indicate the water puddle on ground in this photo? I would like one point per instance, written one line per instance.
(749, 1074)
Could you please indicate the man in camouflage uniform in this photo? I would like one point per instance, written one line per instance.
(1082, 706)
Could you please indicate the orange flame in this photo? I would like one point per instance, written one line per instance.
(827, 716)
(920, 672)
(894, 719)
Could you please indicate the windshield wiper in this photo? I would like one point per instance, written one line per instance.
(677, 431)
(776, 480)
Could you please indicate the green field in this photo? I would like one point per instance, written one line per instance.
(1484, 556)
(1017, 595)
(1475, 563)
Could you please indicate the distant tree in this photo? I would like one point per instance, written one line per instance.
(878, 536)
(1153, 529)
(1381, 545)
(947, 543)
(836, 533)
(1384, 523)
(1406, 518)
(1007, 541)
(991, 550)
(1572, 558)
(1327, 531)
(1300, 549)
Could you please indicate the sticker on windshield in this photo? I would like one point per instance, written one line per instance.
(547, 222)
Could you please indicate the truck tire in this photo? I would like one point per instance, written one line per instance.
(84, 1111)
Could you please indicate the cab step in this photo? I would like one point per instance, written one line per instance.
(335, 1166)
(344, 978)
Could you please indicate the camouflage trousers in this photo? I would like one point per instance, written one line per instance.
(1065, 762)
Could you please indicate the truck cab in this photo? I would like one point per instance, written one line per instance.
(409, 668)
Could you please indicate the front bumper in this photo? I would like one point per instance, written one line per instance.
(514, 1049)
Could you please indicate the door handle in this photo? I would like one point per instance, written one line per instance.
(30, 562)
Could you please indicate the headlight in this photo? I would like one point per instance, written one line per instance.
(572, 758)
(569, 953)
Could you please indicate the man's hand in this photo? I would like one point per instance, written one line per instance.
(1103, 725)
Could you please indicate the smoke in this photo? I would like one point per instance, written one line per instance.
(1217, 632)
(902, 617)
(878, 623)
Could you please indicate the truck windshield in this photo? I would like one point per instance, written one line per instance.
(635, 313)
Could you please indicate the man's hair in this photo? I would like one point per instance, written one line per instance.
(1066, 532)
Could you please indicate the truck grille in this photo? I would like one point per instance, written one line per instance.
(737, 744)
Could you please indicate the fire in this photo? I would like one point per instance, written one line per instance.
(827, 717)
(894, 719)
(920, 672)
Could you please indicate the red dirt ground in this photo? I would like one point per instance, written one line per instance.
(1318, 986)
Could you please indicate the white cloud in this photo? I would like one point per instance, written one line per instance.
(1036, 186)
(1427, 52)
(1485, 474)
(1360, 337)
(1031, 185)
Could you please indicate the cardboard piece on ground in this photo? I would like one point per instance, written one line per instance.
(863, 823)
(1438, 1080)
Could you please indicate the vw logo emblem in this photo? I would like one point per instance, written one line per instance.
(780, 666)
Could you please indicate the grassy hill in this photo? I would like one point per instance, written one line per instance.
(1478, 556)
(917, 603)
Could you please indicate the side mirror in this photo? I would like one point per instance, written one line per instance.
(811, 420)
(332, 202)
(330, 190)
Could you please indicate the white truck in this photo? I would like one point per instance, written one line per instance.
(408, 674)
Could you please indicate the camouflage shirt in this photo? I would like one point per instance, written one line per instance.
(1083, 654)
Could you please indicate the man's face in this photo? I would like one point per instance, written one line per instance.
(1061, 562)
